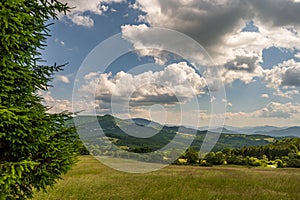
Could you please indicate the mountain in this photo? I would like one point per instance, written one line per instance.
(145, 122)
(225, 130)
(246, 130)
(143, 133)
(253, 130)
(291, 131)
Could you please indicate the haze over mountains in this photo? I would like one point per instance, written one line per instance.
(257, 130)
(290, 131)
(265, 130)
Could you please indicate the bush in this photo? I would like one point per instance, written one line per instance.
(294, 163)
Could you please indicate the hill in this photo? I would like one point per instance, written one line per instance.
(138, 133)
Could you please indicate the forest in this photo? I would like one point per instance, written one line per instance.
(281, 153)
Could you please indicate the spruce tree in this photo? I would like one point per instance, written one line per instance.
(36, 147)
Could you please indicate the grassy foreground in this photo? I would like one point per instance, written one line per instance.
(90, 179)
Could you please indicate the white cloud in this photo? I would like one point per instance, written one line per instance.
(104, 8)
(141, 18)
(239, 56)
(135, 6)
(56, 105)
(214, 24)
(265, 96)
(81, 20)
(62, 43)
(227, 102)
(91, 75)
(276, 114)
(61, 78)
(212, 99)
(175, 84)
(278, 110)
(284, 76)
(159, 43)
(144, 44)
(77, 14)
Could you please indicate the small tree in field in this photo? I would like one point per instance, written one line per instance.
(36, 148)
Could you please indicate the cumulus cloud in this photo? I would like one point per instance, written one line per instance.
(81, 20)
(277, 12)
(278, 110)
(205, 21)
(220, 27)
(284, 76)
(78, 14)
(163, 45)
(55, 105)
(210, 21)
(242, 63)
(175, 84)
(238, 57)
(241, 68)
(273, 110)
(160, 44)
(292, 76)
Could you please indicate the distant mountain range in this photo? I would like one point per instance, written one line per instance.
(141, 133)
(273, 131)
(291, 131)
(261, 130)
(266, 130)
(253, 130)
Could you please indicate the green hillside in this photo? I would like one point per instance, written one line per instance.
(132, 136)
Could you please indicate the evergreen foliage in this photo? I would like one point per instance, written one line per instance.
(36, 147)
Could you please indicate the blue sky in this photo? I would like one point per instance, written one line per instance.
(254, 45)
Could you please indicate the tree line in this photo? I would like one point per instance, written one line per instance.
(282, 153)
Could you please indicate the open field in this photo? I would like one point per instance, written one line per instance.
(90, 179)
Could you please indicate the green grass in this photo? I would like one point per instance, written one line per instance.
(90, 179)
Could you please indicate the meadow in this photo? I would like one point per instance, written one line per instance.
(90, 179)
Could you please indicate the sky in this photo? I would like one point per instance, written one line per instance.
(179, 61)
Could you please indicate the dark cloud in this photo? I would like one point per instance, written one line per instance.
(278, 12)
(209, 22)
(150, 100)
(242, 63)
(204, 21)
(292, 77)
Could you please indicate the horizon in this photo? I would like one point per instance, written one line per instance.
(201, 127)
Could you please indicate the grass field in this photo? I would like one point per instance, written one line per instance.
(90, 179)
